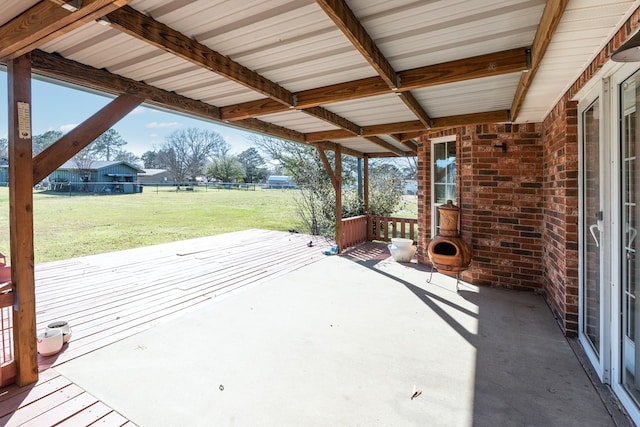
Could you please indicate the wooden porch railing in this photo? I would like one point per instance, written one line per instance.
(363, 228)
(7, 362)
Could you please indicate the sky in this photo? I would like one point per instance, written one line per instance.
(57, 107)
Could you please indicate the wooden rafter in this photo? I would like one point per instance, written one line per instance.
(384, 144)
(70, 144)
(348, 23)
(412, 147)
(412, 103)
(54, 66)
(329, 117)
(143, 27)
(47, 20)
(499, 116)
(375, 130)
(327, 145)
(408, 136)
(136, 24)
(351, 27)
(551, 17)
(493, 64)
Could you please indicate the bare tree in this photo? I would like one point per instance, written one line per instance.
(84, 162)
(185, 152)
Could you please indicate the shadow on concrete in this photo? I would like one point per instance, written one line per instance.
(525, 370)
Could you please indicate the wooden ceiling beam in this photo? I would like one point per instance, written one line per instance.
(332, 118)
(408, 136)
(351, 27)
(65, 70)
(143, 27)
(375, 130)
(499, 116)
(47, 20)
(384, 144)
(412, 103)
(327, 145)
(260, 126)
(551, 16)
(346, 21)
(505, 62)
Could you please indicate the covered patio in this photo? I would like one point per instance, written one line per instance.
(520, 98)
(257, 328)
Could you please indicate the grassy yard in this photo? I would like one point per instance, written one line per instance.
(68, 227)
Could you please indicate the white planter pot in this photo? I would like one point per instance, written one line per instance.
(402, 250)
(50, 342)
(64, 327)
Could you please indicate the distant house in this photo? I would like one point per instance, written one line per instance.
(155, 176)
(4, 171)
(280, 181)
(99, 177)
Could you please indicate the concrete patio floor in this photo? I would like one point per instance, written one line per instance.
(348, 341)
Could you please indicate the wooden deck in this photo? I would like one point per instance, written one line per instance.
(108, 297)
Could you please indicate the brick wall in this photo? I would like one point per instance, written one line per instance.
(501, 199)
(561, 214)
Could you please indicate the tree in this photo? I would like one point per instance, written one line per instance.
(226, 169)
(254, 165)
(83, 161)
(151, 160)
(185, 152)
(316, 200)
(107, 145)
(127, 156)
(4, 148)
(385, 188)
(40, 142)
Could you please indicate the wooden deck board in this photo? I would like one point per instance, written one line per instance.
(109, 297)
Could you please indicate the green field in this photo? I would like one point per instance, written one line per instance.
(68, 227)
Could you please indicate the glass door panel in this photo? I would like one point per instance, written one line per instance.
(592, 228)
(629, 99)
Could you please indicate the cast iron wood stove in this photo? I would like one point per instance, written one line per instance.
(448, 252)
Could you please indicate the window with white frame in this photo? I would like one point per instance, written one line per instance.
(443, 178)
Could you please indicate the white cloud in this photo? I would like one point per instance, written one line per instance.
(68, 127)
(139, 110)
(163, 125)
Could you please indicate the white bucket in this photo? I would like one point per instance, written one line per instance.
(64, 327)
(402, 250)
(50, 342)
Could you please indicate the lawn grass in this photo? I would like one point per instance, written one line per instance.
(68, 227)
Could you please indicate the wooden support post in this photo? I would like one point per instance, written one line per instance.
(366, 184)
(21, 219)
(336, 180)
(338, 188)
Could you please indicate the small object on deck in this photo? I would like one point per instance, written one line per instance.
(416, 392)
(50, 342)
(310, 244)
(332, 251)
(64, 328)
